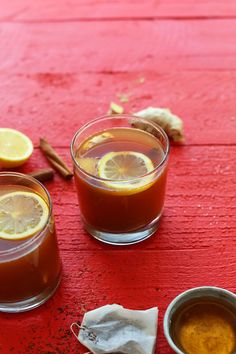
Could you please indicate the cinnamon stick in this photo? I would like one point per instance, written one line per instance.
(43, 175)
(63, 172)
(55, 160)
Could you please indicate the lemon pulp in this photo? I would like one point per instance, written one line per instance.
(15, 148)
(22, 214)
(123, 170)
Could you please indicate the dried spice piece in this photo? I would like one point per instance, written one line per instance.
(141, 80)
(115, 108)
(123, 97)
(43, 175)
(55, 160)
(172, 124)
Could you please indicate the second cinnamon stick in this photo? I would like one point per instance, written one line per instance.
(55, 160)
(43, 175)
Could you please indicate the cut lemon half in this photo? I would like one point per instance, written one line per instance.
(15, 148)
(22, 214)
(125, 169)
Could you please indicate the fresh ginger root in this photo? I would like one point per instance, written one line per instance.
(172, 124)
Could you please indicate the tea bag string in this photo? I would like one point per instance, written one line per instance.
(92, 336)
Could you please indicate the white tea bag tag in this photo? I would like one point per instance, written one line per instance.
(114, 329)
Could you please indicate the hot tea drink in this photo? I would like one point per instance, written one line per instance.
(29, 259)
(120, 175)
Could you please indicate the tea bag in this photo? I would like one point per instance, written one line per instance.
(114, 329)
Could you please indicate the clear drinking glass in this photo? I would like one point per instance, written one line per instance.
(115, 209)
(30, 269)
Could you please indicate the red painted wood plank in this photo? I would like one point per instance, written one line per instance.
(200, 208)
(136, 279)
(194, 246)
(43, 91)
(74, 9)
(111, 46)
(42, 104)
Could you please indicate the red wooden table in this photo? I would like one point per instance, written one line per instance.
(61, 63)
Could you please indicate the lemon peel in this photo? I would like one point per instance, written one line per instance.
(15, 148)
(125, 171)
(22, 214)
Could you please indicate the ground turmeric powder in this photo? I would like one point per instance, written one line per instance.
(205, 328)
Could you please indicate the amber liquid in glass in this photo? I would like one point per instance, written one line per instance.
(113, 210)
(33, 268)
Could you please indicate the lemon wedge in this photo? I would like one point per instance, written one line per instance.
(123, 170)
(15, 148)
(22, 214)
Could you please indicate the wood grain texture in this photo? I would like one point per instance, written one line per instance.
(61, 64)
(194, 246)
(25, 10)
(199, 209)
(60, 103)
(108, 46)
(94, 278)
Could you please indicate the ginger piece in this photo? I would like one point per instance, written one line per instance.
(96, 140)
(171, 123)
(123, 97)
(88, 164)
(115, 108)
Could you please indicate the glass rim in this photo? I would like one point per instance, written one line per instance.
(119, 116)
(33, 239)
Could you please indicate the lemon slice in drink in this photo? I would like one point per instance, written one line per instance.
(124, 170)
(15, 148)
(22, 214)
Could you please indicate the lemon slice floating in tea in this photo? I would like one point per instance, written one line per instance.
(125, 166)
(22, 214)
(15, 148)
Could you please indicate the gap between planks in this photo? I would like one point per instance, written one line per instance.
(134, 250)
(172, 145)
(119, 19)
